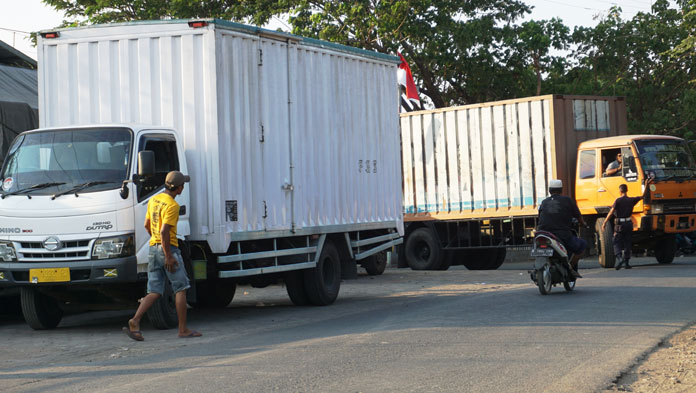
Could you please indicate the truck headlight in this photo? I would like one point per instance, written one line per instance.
(657, 209)
(113, 247)
(7, 252)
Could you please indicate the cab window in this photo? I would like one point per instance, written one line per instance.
(612, 161)
(587, 164)
(166, 160)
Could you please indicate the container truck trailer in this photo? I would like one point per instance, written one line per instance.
(475, 175)
(291, 143)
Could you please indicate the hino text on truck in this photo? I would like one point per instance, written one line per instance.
(475, 175)
(292, 145)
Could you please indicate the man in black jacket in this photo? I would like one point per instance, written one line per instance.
(556, 215)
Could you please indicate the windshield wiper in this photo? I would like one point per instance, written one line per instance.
(81, 187)
(31, 188)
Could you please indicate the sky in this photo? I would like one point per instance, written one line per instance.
(20, 17)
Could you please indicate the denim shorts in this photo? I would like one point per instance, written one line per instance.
(576, 245)
(156, 271)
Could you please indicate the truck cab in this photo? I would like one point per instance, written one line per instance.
(72, 211)
(668, 208)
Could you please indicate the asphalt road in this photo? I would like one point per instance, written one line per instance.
(404, 331)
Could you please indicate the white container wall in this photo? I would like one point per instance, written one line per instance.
(281, 133)
(496, 159)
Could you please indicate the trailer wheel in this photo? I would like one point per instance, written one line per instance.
(215, 293)
(375, 264)
(162, 314)
(41, 312)
(605, 249)
(497, 257)
(473, 259)
(294, 284)
(323, 282)
(423, 251)
(665, 250)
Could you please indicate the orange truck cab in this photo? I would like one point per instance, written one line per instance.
(667, 209)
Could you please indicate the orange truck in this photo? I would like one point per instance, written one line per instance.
(474, 176)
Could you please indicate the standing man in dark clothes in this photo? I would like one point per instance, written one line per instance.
(623, 226)
(556, 215)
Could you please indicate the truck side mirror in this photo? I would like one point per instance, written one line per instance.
(146, 163)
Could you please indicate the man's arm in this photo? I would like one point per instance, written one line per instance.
(170, 262)
(147, 226)
(577, 214)
(612, 168)
(606, 220)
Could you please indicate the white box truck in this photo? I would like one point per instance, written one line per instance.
(292, 145)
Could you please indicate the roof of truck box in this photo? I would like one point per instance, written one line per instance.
(229, 25)
(622, 140)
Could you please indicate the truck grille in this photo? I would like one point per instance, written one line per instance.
(682, 206)
(69, 250)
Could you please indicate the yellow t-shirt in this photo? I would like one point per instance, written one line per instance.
(163, 209)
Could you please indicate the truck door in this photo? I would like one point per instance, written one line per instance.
(166, 160)
(587, 178)
(275, 135)
(608, 189)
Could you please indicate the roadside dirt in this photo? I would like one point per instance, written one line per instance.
(671, 368)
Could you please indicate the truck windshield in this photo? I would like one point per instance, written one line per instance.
(66, 159)
(667, 159)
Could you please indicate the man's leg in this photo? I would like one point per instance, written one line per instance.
(181, 310)
(616, 242)
(627, 237)
(145, 304)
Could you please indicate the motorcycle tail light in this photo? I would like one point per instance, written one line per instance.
(543, 242)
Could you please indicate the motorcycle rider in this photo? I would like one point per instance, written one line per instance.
(556, 215)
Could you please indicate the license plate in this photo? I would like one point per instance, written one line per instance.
(60, 274)
(542, 252)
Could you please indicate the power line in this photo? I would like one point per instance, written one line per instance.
(15, 31)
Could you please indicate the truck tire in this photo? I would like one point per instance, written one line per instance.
(665, 250)
(375, 264)
(294, 284)
(497, 257)
(605, 248)
(323, 281)
(215, 293)
(423, 251)
(162, 314)
(41, 312)
(472, 259)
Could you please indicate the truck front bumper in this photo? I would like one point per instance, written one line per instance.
(101, 271)
(669, 223)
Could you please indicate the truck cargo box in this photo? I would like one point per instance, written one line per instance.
(282, 134)
(495, 159)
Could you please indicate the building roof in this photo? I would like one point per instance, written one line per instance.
(12, 57)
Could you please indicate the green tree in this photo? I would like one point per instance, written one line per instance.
(455, 48)
(632, 58)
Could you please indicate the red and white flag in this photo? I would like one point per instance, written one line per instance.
(409, 99)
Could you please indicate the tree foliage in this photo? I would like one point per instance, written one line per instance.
(473, 51)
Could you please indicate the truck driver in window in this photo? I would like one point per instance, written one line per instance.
(614, 167)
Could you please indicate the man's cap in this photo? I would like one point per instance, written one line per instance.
(175, 179)
(556, 183)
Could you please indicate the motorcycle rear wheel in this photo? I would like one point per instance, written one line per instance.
(543, 278)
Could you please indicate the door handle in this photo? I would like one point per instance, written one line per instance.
(601, 190)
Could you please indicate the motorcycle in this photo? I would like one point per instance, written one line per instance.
(551, 265)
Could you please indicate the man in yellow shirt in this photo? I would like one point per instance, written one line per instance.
(164, 259)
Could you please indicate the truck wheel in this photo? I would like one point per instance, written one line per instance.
(423, 251)
(323, 282)
(294, 284)
(216, 293)
(162, 314)
(473, 259)
(497, 257)
(665, 250)
(375, 264)
(605, 249)
(40, 311)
